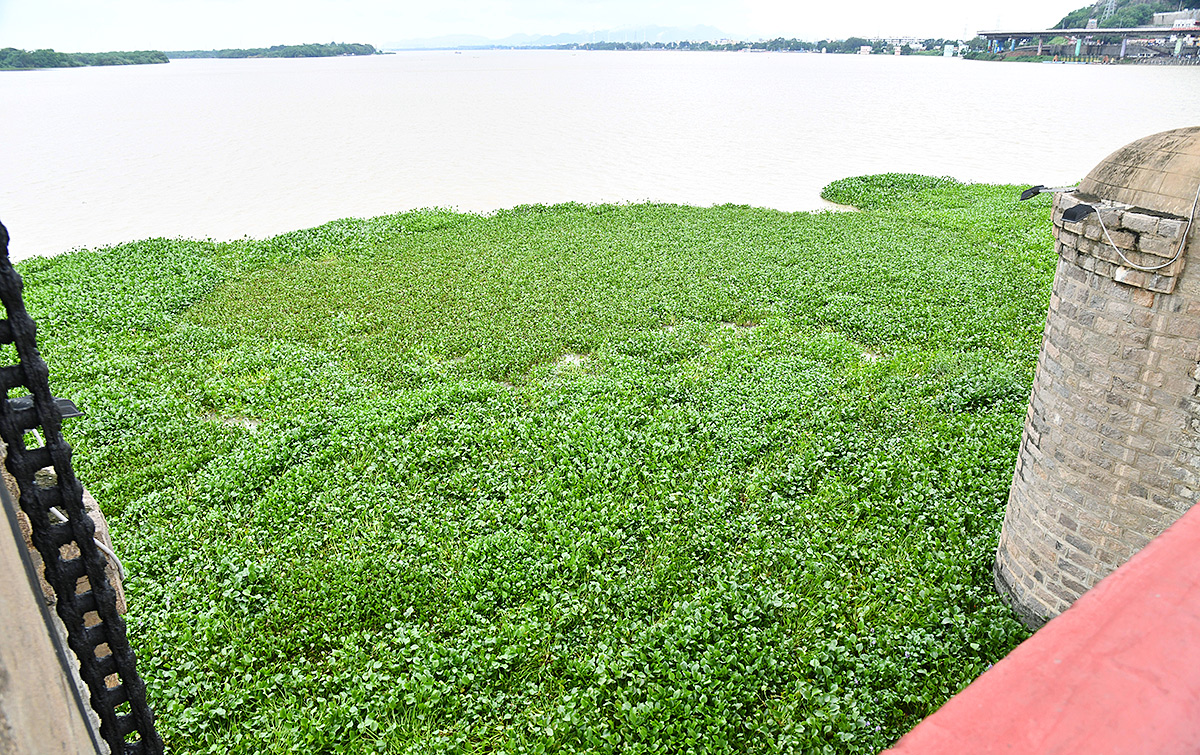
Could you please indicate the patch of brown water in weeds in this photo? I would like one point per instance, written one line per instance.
(570, 360)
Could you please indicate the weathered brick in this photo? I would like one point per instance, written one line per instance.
(1126, 472)
(1173, 346)
(1073, 586)
(1104, 251)
(1111, 216)
(1162, 284)
(1119, 309)
(1117, 399)
(1108, 327)
(1164, 449)
(1067, 597)
(1100, 349)
(1124, 371)
(1174, 269)
(1183, 474)
(1121, 239)
(1184, 327)
(1143, 319)
(1141, 442)
(1170, 228)
(1172, 420)
(1175, 365)
(1179, 384)
(1116, 451)
(1143, 298)
(1131, 277)
(1158, 246)
(1156, 481)
(1139, 223)
(1137, 355)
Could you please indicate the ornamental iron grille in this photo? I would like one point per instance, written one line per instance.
(86, 601)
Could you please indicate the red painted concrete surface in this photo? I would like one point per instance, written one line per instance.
(1118, 672)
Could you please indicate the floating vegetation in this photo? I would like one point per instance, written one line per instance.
(630, 478)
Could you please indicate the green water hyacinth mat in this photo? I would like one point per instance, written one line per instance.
(621, 478)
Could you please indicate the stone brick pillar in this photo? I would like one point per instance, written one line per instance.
(1110, 455)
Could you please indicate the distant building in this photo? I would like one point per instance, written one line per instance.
(864, 50)
(1173, 18)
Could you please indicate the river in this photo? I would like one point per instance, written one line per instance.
(229, 148)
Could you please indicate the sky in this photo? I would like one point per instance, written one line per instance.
(102, 25)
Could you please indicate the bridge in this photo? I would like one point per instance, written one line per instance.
(999, 40)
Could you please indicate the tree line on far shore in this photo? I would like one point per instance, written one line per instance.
(330, 50)
(13, 59)
(848, 45)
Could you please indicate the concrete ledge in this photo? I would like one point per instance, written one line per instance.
(1118, 672)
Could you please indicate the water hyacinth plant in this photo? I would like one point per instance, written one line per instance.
(622, 478)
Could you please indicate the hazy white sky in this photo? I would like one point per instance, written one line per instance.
(98, 25)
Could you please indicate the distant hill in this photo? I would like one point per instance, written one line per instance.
(1128, 13)
(12, 59)
(624, 34)
(333, 49)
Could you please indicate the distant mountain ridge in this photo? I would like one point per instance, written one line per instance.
(624, 34)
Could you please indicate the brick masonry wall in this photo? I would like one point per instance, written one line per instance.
(1110, 455)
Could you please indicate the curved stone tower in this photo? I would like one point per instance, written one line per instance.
(1110, 455)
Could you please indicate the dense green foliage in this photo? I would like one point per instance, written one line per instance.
(1007, 57)
(1129, 13)
(333, 49)
(633, 478)
(14, 59)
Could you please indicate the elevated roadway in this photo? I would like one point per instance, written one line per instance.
(998, 39)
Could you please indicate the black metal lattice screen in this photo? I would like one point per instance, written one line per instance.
(86, 601)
